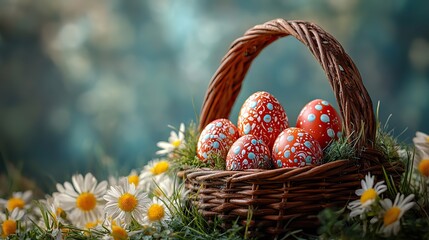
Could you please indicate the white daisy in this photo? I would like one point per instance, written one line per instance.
(19, 200)
(83, 200)
(420, 177)
(156, 211)
(175, 141)
(55, 215)
(154, 169)
(153, 174)
(97, 224)
(421, 141)
(166, 187)
(421, 161)
(392, 213)
(117, 231)
(133, 178)
(125, 202)
(9, 223)
(368, 195)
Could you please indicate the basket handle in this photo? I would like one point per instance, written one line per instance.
(352, 97)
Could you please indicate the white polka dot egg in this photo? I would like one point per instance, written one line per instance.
(294, 147)
(262, 116)
(321, 120)
(248, 152)
(216, 139)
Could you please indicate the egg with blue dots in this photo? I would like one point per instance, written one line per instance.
(248, 152)
(262, 116)
(295, 147)
(216, 139)
(321, 120)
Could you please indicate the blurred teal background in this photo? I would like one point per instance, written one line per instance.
(92, 85)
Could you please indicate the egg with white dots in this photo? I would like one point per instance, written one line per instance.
(216, 139)
(295, 147)
(321, 120)
(248, 152)
(263, 116)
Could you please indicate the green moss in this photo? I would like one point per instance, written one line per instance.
(340, 149)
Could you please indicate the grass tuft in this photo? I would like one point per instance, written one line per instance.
(188, 223)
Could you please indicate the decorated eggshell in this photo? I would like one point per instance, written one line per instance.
(216, 138)
(262, 116)
(321, 120)
(294, 147)
(248, 152)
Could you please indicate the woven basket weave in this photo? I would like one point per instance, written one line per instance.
(282, 199)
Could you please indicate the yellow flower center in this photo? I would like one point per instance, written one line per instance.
(127, 202)
(424, 167)
(369, 194)
(86, 201)
(133, 179)
(176, 143)
(13, 203)
(160, 167)
(391, 216)
(427, 139)
(8, 227)
(155, 212)
(90, 225)
(119, 233)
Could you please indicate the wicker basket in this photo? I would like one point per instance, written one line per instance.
(282, 199)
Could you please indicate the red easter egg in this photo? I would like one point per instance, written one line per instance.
(262, 116)
(321, 120)
(248, 152)
(294, 147)
(216, 138)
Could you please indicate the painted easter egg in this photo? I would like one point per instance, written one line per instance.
(248, 152)
(262, 116)
(295, 147)
(321, 120)
(216, 139)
